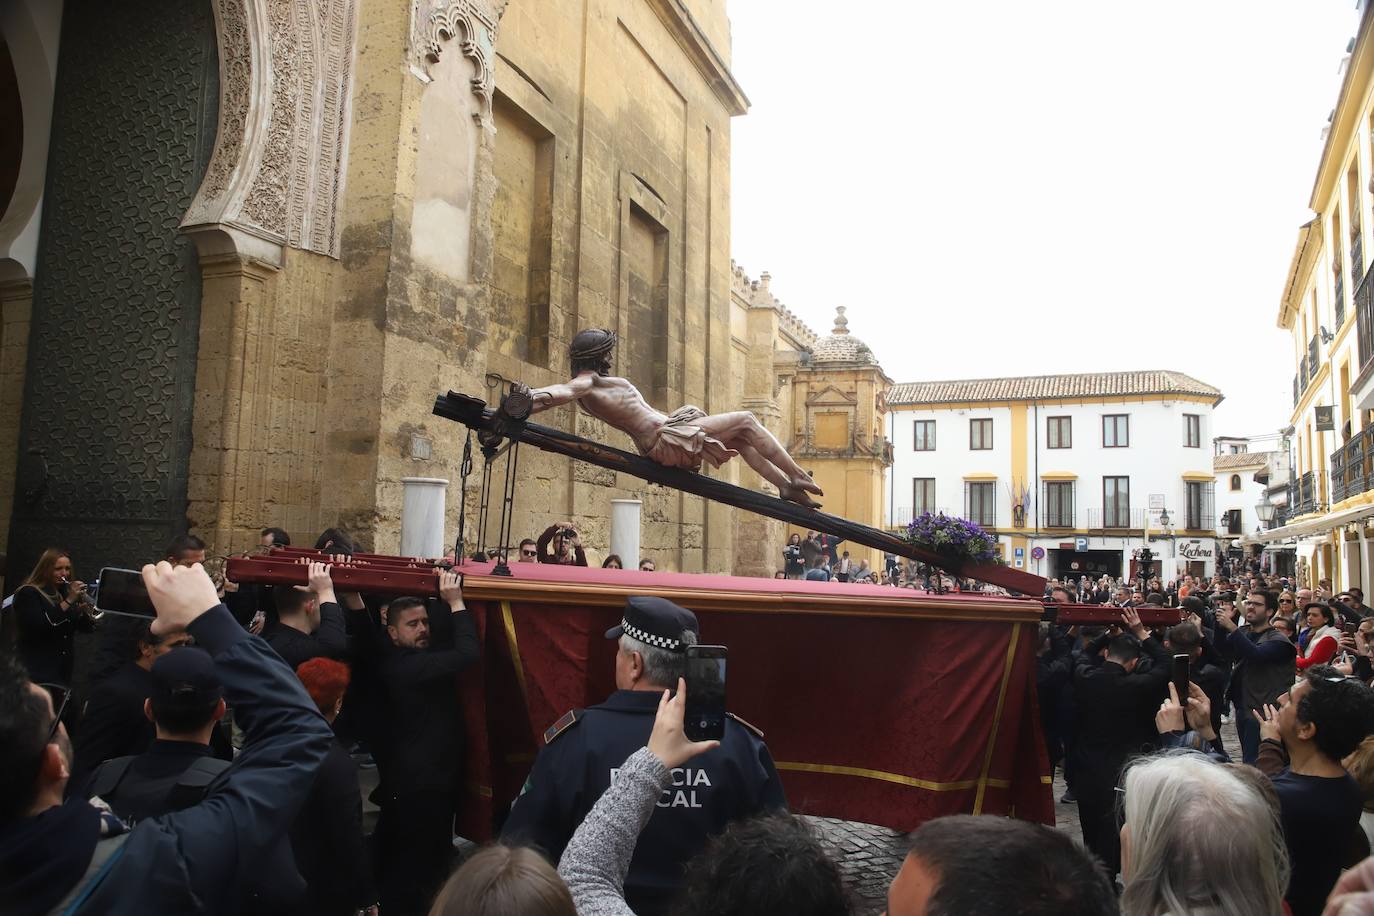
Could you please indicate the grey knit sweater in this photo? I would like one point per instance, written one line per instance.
(597, 857)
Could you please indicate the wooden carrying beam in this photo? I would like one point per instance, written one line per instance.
(373, 579)
(474, 413)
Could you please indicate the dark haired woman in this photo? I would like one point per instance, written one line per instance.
(1317, 644)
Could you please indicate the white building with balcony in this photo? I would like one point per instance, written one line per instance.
(1074, 473)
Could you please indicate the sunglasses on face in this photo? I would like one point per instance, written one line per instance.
(527, 553)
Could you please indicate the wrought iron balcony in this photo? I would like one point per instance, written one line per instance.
(1364, 317)
(1352, 467)
(1340, 294)
(1356, 263)
(1308, 494)
(906, 513)
(1314, 357)
(1116, 519)
(1060, 518)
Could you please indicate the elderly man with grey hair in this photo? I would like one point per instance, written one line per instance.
(586, 747)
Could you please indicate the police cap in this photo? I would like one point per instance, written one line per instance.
(655, 622)
(185, 679)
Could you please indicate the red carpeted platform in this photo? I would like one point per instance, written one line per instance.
(881, 705)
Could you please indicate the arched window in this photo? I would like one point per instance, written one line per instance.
(1235, 481)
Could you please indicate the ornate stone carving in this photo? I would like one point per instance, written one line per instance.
(474, 24)
(276, 175)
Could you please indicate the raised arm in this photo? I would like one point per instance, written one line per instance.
(563, 393)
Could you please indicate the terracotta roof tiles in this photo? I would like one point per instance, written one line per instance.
(1044, 387)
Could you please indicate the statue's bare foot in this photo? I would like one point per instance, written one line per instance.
(798, 496)
(807, 484)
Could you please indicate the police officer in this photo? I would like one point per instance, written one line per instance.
(584, 748)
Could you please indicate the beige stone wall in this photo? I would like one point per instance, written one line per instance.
(502, 189)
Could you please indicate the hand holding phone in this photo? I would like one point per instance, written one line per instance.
(705, 711)
(668, 741)
(1180, 678)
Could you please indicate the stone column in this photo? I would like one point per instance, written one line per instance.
(422, 516)
(220, 495)
(625, 531)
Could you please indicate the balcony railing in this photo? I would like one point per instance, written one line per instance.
(1307, 494)
(1364, 317)
(1340, 292)
(1352, 467)
(1060, 518)
(1116, 519)
(1356, 265)
(1200, 521)
(905, 514)
(1314, 357)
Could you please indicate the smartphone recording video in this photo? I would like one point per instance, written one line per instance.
(122, 592)
(1180, 678)
(705, 714)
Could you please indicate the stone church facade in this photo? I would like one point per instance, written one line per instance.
(244, 243)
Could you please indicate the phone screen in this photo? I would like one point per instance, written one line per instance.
(1180, 679)
(122, 592)
(705, 714)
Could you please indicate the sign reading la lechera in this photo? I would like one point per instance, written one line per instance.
(1194, 550)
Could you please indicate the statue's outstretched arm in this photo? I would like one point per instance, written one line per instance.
(563, 393)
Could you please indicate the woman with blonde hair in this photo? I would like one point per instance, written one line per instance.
(48, 610)
(1199, 838)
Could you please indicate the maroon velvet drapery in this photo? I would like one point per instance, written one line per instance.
(881, 705)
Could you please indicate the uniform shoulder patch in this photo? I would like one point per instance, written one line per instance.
(565, 722)
(757, 732)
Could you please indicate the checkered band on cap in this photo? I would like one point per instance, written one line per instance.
(662, 642)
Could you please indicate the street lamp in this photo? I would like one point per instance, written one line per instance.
(1167, 568)
(1265, 510)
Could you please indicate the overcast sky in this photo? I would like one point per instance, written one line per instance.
(1012, 187)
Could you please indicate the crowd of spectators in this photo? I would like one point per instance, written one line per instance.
(1160, 802)
(214, 765)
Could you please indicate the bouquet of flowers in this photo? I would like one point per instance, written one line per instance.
(952, 537)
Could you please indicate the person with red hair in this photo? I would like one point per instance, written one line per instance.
(327, 838)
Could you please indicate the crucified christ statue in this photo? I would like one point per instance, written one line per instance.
(682, 439)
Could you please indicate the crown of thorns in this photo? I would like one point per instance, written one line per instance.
(586, 349)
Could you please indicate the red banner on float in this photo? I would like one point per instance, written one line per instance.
(882, 705)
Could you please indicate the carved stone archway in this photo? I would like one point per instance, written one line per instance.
(276, 175)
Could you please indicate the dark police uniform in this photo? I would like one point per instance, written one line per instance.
(585, 748)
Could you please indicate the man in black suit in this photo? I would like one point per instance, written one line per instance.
(114, 724)
(1117, 697)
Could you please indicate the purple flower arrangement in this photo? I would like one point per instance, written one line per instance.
(953, 537)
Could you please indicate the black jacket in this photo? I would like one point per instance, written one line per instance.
(46, 635)
(1116, 708)
(193, 860)
(735, 781)
(424, 731)
(295, 647)
(327, 840)
(114, 724)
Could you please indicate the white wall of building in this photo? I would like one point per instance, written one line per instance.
(1156, 461)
